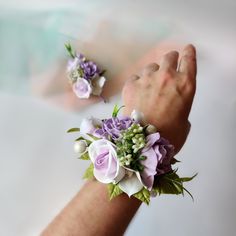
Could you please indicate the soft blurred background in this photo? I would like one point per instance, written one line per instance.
(39, 173)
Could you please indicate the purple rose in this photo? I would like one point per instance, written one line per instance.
(159, 153)
(90, 69)
(82, 88)
(106, 165)
(113, 126)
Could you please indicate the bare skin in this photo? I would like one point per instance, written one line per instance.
(164, 93)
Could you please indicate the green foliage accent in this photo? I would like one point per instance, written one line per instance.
(171, 183)
(70, 50)
(73, 130)
(102, 73)
(174, 161)
(143, 195)
(187, 179)
(89, 172)
(85, 156)
(114, 190)
(128, 148)
(116, 110)
(93, 137)
(82, 138)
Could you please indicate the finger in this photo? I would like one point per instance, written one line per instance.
(188, 63)
(133, 78)
(169, 61)
(149, 69)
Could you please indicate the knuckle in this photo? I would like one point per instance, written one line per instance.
(166, 76)
(186, 86)
(129, 85)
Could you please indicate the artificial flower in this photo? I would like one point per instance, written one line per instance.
(90, 125)
(158, 153)
(90, 69)
(97, 85)
(82, 88)
(103, 155)
(131, 183)
(113, 127)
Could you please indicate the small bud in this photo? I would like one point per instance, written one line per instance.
(134, 140)
(127, 163)
(140, 129)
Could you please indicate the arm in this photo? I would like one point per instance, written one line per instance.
(164, 94)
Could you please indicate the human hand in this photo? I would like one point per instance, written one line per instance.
(164, 94)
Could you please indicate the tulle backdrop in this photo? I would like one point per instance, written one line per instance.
(39, 173)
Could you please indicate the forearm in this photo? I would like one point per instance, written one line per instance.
(90, 212)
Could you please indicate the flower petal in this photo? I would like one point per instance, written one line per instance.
(130, 185)
(101, 177)
(98, 84)
(120, 174)
(151, 139)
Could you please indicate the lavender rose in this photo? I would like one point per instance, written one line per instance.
(106, 165)
(159, 153)
(113, 126)
(82, 88)
(90, 69)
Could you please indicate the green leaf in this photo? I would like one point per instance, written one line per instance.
(169, 184)
(114, 190)
(85, 157)
(188, 193)
(168, 187)
(143, 195)
(102, 73)
(187, 179)
(93, 137)
(82, 138)
(73, 130)
(89, 172)
(116, 110)
(69, 50)
(174, 161)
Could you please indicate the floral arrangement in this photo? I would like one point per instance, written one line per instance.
(128, 156)
(84, 75)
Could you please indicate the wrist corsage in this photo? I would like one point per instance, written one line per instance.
(130, 157)
(84, 75)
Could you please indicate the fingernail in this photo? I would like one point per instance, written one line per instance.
(189, 50)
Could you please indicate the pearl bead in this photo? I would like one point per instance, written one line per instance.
(151, 129)
(80, 146)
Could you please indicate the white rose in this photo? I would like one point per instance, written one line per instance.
(82, 88)
(106, 164)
